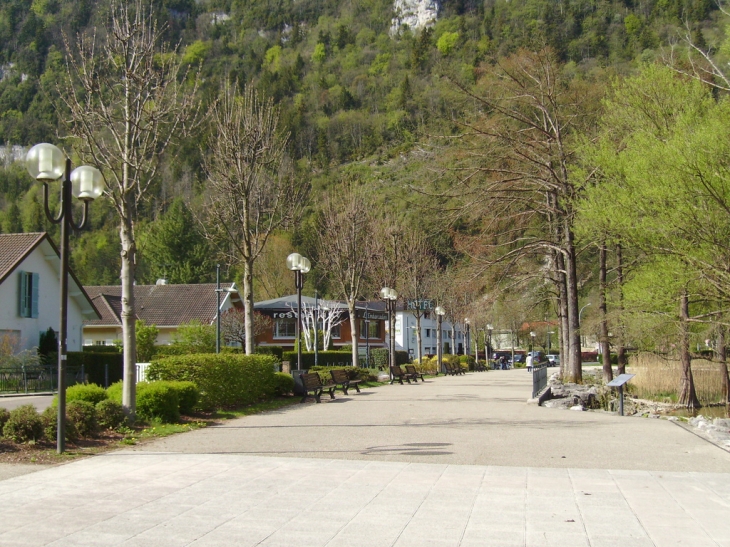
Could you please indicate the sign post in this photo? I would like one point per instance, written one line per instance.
(619, 382)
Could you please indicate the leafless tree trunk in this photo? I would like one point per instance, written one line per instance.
(127, 100)
(345, 247)
(251, 192)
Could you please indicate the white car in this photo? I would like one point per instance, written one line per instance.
(553, 360)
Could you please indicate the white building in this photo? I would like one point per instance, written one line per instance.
(405, 334)
(30, 292)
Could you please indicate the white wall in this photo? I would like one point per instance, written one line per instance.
(48, 302)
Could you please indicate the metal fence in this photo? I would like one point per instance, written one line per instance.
(539, 379)
(34, 378)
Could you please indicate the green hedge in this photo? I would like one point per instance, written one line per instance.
(378, 357)
(325, 359)
(94, 363)
(276, 351)
(402, 357)
(224, 380)
(101, 349)
(354, 373)
(161, 400)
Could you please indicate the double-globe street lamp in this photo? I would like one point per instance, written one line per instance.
(299, 265)
(488, 348)
(390, 296)
(467, 340)
(47, 163)
(439, 346)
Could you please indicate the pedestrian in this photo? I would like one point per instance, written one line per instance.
(528, 361)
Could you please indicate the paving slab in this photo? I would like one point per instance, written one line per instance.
(451, 462)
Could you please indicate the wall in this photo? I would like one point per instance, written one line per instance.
(48, 302)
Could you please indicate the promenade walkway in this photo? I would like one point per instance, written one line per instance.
(457, 461)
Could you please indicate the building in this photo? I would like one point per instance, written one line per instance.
(165, 306)
(452, 340)
(283, 313)
(30, 292)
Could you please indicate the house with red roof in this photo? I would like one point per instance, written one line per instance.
(30, 292)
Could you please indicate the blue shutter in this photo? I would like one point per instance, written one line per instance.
(21, 295)
(34, 295)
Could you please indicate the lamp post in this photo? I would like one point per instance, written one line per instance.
(580, 313)
(467, 340)
(439, 349)
(316, 328)
(550, 333)
(367, 336)
(390, 296)
(46, 163)
(490, 328)
(299, 265)
(532, 343)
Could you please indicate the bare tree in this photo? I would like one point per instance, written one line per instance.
(233, 325)
(126, 97)
(252, 190)
(345, 247)
(329, 315)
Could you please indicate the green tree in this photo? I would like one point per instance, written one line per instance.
(13, 223)
(195, 337)
(146, 340)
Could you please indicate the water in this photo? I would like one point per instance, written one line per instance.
(718, 411)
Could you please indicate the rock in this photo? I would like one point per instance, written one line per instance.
(558, 403)
(558, 391)
(577, 407)
(673, 419)
(415, 14)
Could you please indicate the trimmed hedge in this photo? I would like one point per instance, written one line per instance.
(155, 400)
(224, 380)
(284, 383)
(379, 357)
(91, 393)
(94, 365)
(325, 359)
(100, 349)
(354, 373)
(276, 351)
(402, 357)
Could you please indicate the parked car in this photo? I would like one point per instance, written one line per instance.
(518, 360)
(553, 360)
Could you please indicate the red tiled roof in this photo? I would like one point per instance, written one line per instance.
(14, 248)
(161, 305)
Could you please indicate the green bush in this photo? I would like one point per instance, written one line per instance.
(4, 415)
(158, 401)
(224, 380)
(325, 358)
(378, 357)
(49, 419)
(81, 419)
(24, 424)
(155, 400)
(284, 383)
(467, 361)
(91, 393)
(101, 349)
(188, 395)
(402, 357)
(276, 351)
(110, 414)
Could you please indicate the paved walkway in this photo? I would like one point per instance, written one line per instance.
(455, 461)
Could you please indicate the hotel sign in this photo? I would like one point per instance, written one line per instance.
(422, 305)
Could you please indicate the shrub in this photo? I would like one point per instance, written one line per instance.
(276, 351)
(114, 391)
(91, 393)
(49, 419)
(188, 396)
(81, 419)
(4, 415)
(284, 383)
(467, 361)
(158, 401)
(110, 414)
(224, 380)
(402, 357)
(24, 424)
(379, 357)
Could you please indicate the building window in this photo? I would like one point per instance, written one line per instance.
(28, 303)
(374, 327)
(285, 328)
(335, 332)
(428, 333)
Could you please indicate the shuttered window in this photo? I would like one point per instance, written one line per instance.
(28, 297)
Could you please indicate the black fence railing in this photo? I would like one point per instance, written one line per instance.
(34, 378)
(539, 379)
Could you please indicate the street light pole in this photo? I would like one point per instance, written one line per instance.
(218, 308)
(467, 339)
(46, 163)
(390, 296)
(439, 350)
(316, 328)
(299, 265)
(490, 328)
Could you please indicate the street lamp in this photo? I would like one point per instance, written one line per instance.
(550, 333)
(467, 341)
(390, 296)
(532, 345)
(490, 328)
(299, 265)
(46, 163)
(439, 350)
(218, 292)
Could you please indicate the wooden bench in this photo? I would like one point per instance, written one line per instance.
(399, 374)
(453, 370)
(410, 369)
(342, 379)
(312, 382)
